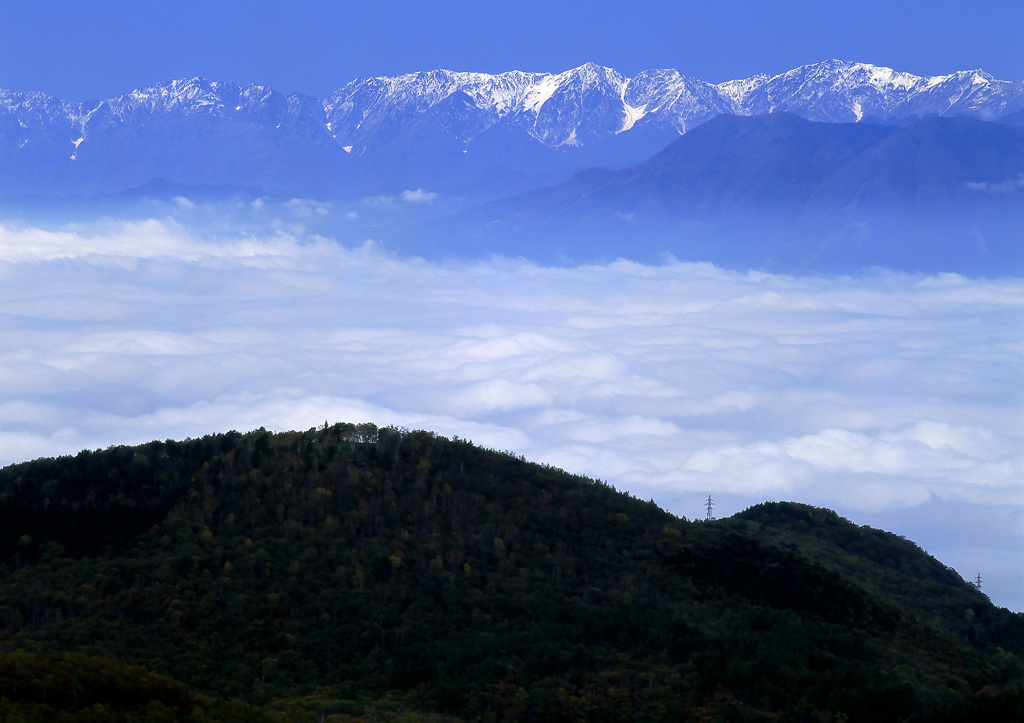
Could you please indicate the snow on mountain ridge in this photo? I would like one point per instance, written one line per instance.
(184, 94)
(578, 107)
(586, 106)
(633, 113)
(842, 91)
(539, 93)
(517, 94)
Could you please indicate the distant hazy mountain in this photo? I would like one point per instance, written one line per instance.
(185, 131)
(439, 129)
(782, 192)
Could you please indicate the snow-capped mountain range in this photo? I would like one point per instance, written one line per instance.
(436, 126)
(592, 102)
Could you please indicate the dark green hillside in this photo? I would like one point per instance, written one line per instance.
(350, 573)
(891, 567)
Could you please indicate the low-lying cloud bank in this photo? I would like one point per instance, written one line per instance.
(891, 398)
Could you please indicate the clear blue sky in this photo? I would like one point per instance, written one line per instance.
(78, 50)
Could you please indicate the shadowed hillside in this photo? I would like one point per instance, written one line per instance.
(350, 572)
(782, 193)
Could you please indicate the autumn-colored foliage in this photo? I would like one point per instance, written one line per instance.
(355, 573)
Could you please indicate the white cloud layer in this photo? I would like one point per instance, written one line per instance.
(886, 397)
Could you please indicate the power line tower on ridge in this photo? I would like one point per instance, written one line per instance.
(977, 583)
(709, 505)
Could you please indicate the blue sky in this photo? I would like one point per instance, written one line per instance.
(79, 50)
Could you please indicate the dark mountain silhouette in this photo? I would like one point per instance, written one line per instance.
(354, 573)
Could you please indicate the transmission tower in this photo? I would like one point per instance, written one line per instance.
(977, 582)
(709, 505)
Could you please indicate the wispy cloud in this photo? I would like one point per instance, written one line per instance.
(1002, 187)
(418, 196)
(871, 395)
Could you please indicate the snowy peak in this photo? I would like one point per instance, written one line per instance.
(586, 105)
(845, 92)
(187, 96)
(590, 76)
(373, 108)
(199, 96)
(191, 99)
(678, 101)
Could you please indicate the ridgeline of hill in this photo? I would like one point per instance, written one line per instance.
(354, 573)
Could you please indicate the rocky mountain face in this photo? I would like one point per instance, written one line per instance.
(589, 104)
(436, 128)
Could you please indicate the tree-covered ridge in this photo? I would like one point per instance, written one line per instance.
(888, 565)
(352, 572)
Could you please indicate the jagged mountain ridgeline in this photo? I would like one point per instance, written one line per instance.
(354, 573)
(511, 161)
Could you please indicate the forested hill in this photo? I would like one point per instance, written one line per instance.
(354, 573)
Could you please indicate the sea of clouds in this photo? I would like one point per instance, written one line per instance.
(894, 399)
